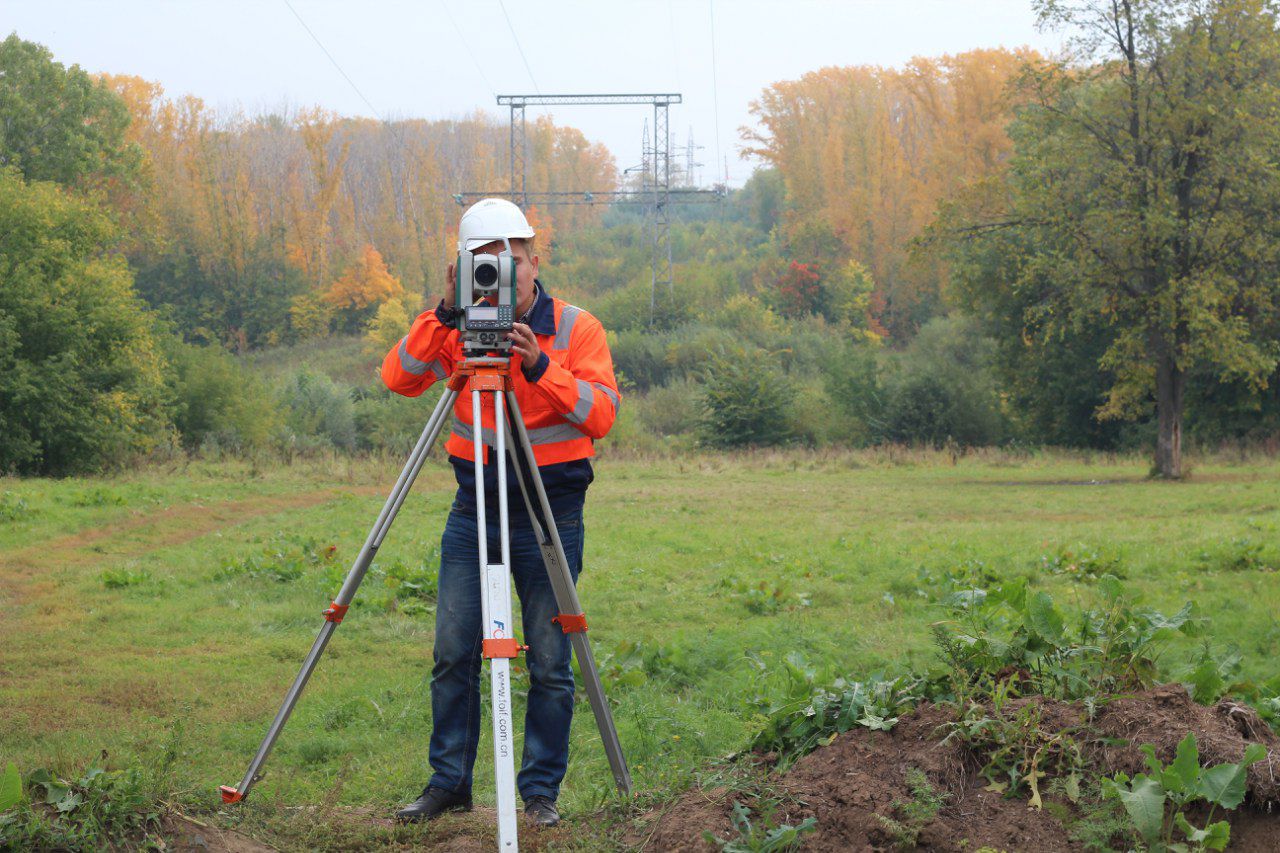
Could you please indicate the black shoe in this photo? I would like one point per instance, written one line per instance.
(433, 803)
(542, 810)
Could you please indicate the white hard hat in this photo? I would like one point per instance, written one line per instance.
(492, 218)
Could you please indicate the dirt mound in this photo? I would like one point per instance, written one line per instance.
(1163, 716)
(861, 778)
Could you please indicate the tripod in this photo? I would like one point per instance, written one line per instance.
(480, 375)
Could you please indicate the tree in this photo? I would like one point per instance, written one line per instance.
(389, 324)
(59, 124)
(798, 290)
(1148, 182)
(363, 287)
(866, 153)
(81, 384)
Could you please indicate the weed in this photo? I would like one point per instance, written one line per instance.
(1155, 802)
(914, 814)
(1018, 751)
(1010, 634)
(763, 836)
(13, 507)
(97, 496)
(1081, 563)
(90, 813)
(411, 590)
(623, 666)
(765, 598)
(1095, 821)
(810, 716)
(942, 586)
(121, 578)
(1240, 555)
(1212, 676)
(284, 559)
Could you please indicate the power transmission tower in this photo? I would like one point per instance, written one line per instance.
(656, 193)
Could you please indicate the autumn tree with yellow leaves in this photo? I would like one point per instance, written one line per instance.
(364, 286)
(866, 154)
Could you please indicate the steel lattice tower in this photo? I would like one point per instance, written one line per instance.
(655, 192)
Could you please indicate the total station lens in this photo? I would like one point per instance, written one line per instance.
(486, 274)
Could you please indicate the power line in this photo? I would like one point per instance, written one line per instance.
(715, 86)
(503, 7)
(326, 52)
(395, 133)
(467, 47)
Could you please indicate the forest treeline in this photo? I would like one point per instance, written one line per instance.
(983, 248)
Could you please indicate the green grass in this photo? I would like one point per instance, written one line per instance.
(123, 622)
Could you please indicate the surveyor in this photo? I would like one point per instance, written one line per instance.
(568, 398)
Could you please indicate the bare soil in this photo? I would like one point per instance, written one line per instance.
(860, 778)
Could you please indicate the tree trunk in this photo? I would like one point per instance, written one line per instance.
(1171, 381)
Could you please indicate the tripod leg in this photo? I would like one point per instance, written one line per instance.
(338, 608)
(499, 644)
(566, 593)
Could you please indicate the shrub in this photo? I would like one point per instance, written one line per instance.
(215, 398)
(942, 388)
(390, 323)
(321, 409)
(392, 422)
(746, 403)
(851, 379)
(814, 420)
(640, 357)
(670, 409)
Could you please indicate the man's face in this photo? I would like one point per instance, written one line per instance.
(526, 269)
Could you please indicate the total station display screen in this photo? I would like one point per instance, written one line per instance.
(484, 313)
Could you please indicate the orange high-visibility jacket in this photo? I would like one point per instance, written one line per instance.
(573, 402)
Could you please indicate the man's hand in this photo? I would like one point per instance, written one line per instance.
(524, 344)
(448, 288)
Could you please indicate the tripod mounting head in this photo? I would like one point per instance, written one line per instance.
(485, 289)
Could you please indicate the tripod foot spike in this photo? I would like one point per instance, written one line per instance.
(230, 794)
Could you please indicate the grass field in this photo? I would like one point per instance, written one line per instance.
(168, 609)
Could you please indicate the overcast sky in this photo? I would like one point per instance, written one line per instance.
(448, 58)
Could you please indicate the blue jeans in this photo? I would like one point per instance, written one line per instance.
(455, 678)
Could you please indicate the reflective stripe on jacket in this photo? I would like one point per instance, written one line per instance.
(572, 402)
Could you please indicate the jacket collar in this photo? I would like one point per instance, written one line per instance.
(542, 319)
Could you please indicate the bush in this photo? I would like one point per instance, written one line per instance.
(747, 403)
(671, 409)
(851, 379)
(216, 399)
(942, 387)
(392, 422)
(639, 357)
(815, 420)
(320, 409)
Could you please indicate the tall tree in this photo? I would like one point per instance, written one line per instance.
(867, 153)
(1149, 181)
(80, 376)
(57, 123)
